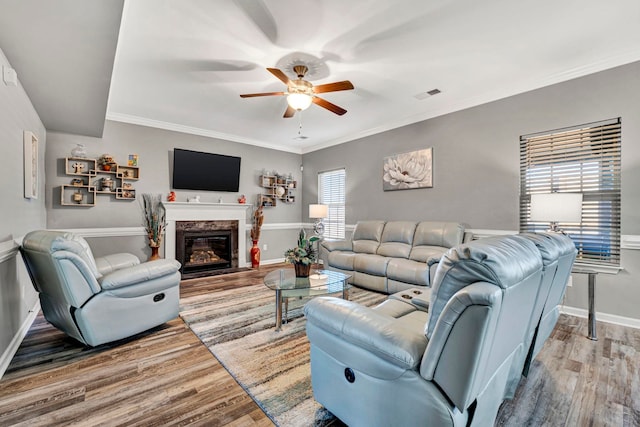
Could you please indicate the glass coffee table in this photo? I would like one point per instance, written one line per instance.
(287, 285)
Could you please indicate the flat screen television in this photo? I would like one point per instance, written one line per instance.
(196, 170)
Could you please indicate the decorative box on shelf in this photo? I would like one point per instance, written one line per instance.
(128, 172)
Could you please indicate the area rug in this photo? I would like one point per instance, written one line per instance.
(238, 327)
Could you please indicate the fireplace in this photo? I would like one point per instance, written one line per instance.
(228, 215)
(205, 248)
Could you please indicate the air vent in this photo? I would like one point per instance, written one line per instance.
(423, 95)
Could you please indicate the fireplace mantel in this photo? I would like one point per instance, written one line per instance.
(184, 211)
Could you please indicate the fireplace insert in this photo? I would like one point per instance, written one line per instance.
(205, 249)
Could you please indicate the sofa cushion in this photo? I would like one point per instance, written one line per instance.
(366, 236)
(397, 239)
(337, 245)
(408, 271)
(375, 265)
(396, 308)
(342, 260)
(437, 233)
(370, 281)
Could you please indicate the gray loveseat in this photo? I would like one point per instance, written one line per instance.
(493, 304)
(391, 256)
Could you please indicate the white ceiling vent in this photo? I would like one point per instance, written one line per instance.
(423, 95)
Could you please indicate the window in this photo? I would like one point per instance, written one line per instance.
(331, 192)
(584, 159)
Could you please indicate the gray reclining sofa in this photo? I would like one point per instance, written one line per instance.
(493, 304)
(391, 256)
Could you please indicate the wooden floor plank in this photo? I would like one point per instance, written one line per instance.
(166, 376)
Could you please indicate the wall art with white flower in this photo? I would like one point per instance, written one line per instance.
(408, 170)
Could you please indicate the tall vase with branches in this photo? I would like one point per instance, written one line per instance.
(154, 221)
(256, 225)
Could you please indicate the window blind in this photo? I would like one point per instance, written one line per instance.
(584, 159)
(331, 192)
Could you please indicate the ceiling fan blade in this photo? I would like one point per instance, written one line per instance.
(329, 106)
(289, 112)
(251, 95)
(333, 87)
(279, 74)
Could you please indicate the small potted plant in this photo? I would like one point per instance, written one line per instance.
(303, 255)
(106, 162)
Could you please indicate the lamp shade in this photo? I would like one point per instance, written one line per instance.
(299, 101)
(318, 211)
(556, 207)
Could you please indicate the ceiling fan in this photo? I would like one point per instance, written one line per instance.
(300, 93)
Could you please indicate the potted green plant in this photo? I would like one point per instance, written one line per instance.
(303, 255)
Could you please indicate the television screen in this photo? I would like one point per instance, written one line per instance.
(195, 170)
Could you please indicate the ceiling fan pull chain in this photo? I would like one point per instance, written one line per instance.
(300, 123)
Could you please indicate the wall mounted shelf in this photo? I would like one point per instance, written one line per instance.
(88, 181)
(277, 189)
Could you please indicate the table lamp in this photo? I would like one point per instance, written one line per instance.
(556, 208)
(318, 212)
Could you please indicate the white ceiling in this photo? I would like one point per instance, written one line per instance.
(182, 64)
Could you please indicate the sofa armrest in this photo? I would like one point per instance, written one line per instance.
(363, 327)
(139, 273)
(434, 259)
(337, 245)
(114, 262)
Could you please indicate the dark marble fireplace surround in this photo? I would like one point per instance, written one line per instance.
(215, 250)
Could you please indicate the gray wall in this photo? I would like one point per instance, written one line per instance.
(18, 215)
(476, 167)
(476, 172)
(154, 148)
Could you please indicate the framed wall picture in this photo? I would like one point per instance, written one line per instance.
(30, 165)
(408, 170)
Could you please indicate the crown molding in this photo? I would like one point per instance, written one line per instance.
(158, 124)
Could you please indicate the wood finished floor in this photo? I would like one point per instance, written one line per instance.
(166, 376)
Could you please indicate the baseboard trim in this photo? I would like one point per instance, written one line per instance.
(602, 317)
(11, 350)
(268, 262)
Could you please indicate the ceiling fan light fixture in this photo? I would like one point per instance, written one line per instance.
(301, 94)
(299, 101)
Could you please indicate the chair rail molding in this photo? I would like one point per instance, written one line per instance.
(630, 241)
(8, 250)
(106, 232)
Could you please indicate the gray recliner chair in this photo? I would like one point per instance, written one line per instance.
(99, 300)
(451, 365)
